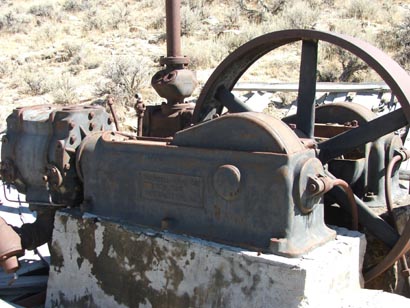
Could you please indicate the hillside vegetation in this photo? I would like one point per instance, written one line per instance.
(71, 51)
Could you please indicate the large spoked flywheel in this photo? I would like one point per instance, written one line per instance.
(216, 95)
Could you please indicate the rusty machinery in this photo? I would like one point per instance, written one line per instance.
(241, 178)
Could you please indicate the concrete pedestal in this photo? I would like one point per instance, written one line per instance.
(101, 263)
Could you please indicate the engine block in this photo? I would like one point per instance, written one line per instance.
(241, 179)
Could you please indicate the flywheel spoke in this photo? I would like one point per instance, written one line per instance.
(307, 88)
(228, 100)
(367, 132)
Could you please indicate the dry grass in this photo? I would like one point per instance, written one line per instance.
(79, 43)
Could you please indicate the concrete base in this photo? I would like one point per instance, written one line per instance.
(100, 263)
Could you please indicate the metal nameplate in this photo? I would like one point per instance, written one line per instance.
(172, 188)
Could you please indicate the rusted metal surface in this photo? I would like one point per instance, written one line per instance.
(244, 178)
(10, 247)
(251, 203)
(38, 150)
(110, 103)
(231, 69)
(350, 196)
(140, 110)
(165, 120)
(404, 155)
(175, 82)
(399, 249)
(173, 23)
(330, 130)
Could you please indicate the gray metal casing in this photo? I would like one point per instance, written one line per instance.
(178, 186)
(43, 138)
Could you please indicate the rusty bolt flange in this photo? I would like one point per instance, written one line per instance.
(54, 177)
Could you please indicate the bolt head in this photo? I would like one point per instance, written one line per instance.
(71, 125)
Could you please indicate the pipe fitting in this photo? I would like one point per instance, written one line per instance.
(403, 153)
(10, 247)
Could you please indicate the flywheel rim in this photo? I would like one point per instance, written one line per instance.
(235, 65)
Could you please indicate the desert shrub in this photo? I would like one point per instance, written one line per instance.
(102, 20)
(337, 64)
(45, 33)
(126, 75)
(341, 65)
(397, 39)
(119, 14)
(42, 10)
(233, 16)
(261, 10)
(14, 22)
(362, 9)
(202, 58)
(86, 58)
(190, 21)
(91, 61)
(151, 3)
(75, 5)
(328, 72)
(35, 83)
(63, 90)
(298, 15)
(233, 39)
(158, 23)
(201, 7)
(69, 50)
(94, 20)
(6, 68)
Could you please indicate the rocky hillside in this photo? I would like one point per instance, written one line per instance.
(70, 51)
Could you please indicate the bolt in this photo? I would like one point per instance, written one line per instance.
(67, 166)
(109, 121)
(71, 125)
(92, 126)
(313, 187)
(45, 178)
(355, 123)
(72, 139)
(91, 115)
